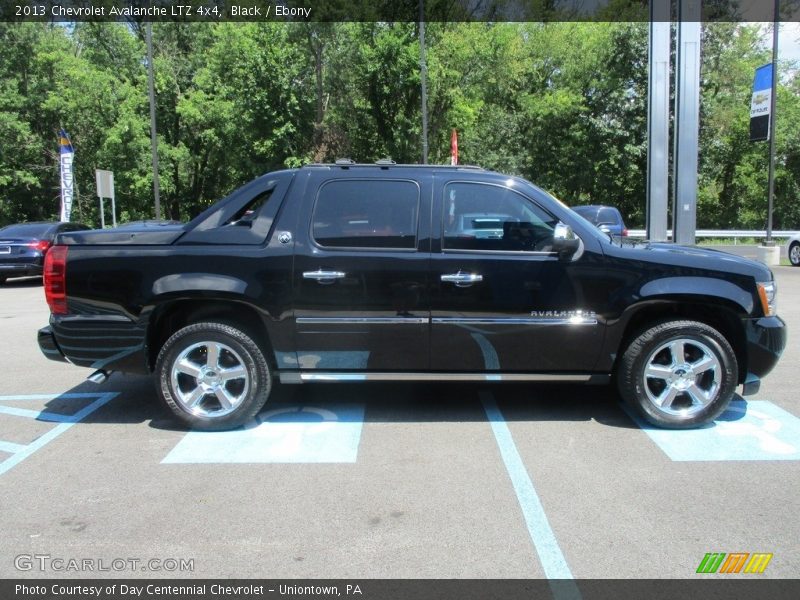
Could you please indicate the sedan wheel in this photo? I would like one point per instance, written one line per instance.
(794, 254)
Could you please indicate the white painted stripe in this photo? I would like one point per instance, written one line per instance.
(56, 431)
(46, 397)
(544, 540)
(39, 415)
(11, 447)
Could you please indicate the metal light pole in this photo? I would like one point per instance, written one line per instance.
(153, 138)
(658, 122)
(772, 132)
(423, 68)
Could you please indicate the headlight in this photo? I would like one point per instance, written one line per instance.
(768, 293)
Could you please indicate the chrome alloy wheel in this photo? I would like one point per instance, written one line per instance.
(682, 377)
(794, 254)
(209, 379)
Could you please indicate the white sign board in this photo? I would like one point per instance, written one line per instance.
(105, 183)
(105, 189)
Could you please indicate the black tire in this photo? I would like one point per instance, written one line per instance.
(2, 280)
(694, 390)
(794, 254)
(205, 365)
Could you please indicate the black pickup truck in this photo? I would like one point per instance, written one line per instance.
(349, 272)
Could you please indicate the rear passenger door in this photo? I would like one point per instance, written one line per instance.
(360, 273)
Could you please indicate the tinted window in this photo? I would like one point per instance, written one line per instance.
(490, 217)
(367, 214)
(248, 213)
(26, 230)
(608, 215)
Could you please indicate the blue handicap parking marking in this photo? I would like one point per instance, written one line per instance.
(62, 422)
(280, 434)
(755, 430)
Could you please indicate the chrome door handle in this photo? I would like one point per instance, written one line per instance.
(462, 279)
(323, 277)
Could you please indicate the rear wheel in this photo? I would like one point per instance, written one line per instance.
(794, 254)
(213, 376)
(678, 374)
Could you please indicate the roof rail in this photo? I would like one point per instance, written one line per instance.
(388, 162)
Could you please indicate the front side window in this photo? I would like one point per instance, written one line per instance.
(490, 217)
(366, 214)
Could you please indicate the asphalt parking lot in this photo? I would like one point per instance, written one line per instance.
(385, 481)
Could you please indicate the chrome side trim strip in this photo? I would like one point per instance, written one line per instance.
(363, 320)
(320, 376)
(515, 321)
(446, 321)
(95, 318)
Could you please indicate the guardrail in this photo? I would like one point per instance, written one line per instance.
(724, 233)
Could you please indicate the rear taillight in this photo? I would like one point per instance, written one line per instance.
(55, 279)
(40, 245)
(624, 232)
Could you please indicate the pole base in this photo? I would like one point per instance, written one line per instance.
(769, 255)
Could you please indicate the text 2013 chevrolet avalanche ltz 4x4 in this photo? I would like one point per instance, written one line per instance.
(346, 272)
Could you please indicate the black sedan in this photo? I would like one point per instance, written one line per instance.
(23, 246)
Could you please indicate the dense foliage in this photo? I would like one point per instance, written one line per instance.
(562, 104)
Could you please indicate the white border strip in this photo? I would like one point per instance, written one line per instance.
(23, 451)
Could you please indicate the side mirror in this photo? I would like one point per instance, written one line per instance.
(565, 242)
(604, 228)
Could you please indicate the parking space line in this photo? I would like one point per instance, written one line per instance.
(11, 447)
(20, 452)
(39, 415)
(544, 540)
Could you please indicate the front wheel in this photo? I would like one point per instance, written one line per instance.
(794, 254)
(213, 376)
(678, 374)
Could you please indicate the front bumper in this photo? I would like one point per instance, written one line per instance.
(766, 339)
(49, 346)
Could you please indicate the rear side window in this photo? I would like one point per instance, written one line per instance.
(608, 215)
(367, 214)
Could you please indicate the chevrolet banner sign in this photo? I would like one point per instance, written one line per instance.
(67, 176)
(761, 103)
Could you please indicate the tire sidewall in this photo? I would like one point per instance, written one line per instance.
(691, 331)
(253, 360)
(791, 248)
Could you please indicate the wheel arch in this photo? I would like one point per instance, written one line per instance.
(171, 316)
(723, 315)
